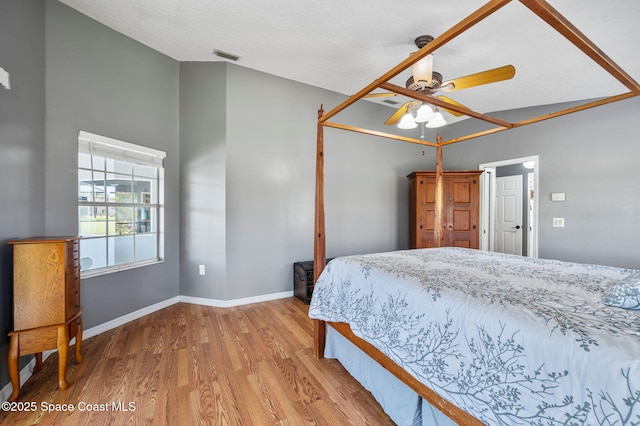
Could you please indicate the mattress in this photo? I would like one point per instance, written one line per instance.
(511, 340)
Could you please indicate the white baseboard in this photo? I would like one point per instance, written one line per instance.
(235, 302)
(26, 372)
(117, 322)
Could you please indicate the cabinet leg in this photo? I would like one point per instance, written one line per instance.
(38, 366)
(63, 351)
(14, 374)
(79, 357)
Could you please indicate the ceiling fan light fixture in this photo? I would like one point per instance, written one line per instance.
(424, 114)
(407, 122)
(422, 70)
(437, 121)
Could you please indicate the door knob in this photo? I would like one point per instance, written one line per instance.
(517, 227)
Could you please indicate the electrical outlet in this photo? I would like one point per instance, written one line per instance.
(4, 79)
(201, 269)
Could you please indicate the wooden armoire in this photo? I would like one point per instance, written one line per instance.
(460, 209)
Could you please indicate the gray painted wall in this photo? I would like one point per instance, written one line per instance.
(69, 73)
(102, 82)
(271, 139)
(203, 95)
(592, 157)
(251, 150)
(22, 144)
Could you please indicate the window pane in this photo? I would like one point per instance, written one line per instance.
(143, 220)
(153, 219)
(99, 186)
(98, 163)
(142, 190)
(111, 221)
(119, 188)
(119, 166)
(93, 253)
(124, 220)
(85, 185)
(84, 160)
(120, 250)
(93, 221)
(90, 185)
(144, 171)
(151, 195)
(146, 246)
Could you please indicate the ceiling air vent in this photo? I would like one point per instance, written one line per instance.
(391, 102)
(226, 55)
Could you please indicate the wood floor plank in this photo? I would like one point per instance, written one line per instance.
(190, 364)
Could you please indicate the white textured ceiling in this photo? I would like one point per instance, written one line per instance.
(343, 45)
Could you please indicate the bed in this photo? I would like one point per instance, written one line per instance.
(507, 339)
(566, 357)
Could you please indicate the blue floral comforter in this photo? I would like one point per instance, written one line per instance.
(509, 339)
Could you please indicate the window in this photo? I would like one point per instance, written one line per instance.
(120, 204)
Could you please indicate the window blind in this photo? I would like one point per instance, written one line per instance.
(119, 150)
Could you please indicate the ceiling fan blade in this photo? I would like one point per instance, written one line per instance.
(396, 116)
(485, 77)
(380, 95)
(452, 102)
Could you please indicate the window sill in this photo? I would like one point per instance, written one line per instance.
(118, 268)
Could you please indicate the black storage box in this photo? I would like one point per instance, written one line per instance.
(303, 280)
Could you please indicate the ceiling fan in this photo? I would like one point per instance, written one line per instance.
(427, 81)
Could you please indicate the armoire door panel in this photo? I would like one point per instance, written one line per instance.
(461, 220)
(429, 220)
(429, 190)
(425, 226)
(460, 192)
(462, 243)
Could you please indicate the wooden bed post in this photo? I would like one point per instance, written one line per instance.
(319, 247)
(439, 219)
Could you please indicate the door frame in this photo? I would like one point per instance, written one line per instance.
(488, 209)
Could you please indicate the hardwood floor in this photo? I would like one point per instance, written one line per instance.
(191, 364)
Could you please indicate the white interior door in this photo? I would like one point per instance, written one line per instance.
(508, 222)
(488, 203)
(530, 210)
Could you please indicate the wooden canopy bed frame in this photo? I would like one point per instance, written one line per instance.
(552, 17)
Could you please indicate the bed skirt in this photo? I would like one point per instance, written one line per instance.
(401, 403)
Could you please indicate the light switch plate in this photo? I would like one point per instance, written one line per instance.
(558, 222)
(558, 196)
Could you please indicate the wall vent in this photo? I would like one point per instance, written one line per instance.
(226, 55)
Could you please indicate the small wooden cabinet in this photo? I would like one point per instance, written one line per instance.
(461, 211)
(46, 303)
